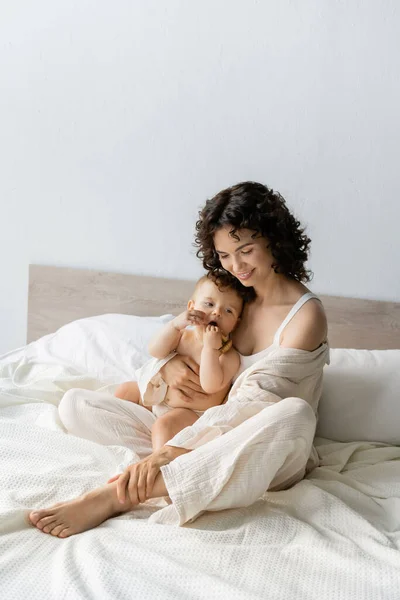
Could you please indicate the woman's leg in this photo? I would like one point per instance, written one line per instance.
(87, 511)
(102, 418)
(170, 424)
(267, 451)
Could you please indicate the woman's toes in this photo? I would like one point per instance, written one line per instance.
(34, 517)
(65, 533)
(40, 518)
(49, 528)
(57, 529)
(45, 521)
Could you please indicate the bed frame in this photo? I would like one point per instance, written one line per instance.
(59, 295)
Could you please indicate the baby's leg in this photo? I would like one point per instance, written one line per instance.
(128, 391)
(170, 424)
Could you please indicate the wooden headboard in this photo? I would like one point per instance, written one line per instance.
(59, 295)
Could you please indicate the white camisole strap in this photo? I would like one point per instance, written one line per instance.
(295, 308)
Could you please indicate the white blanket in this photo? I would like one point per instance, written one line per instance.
(334, 535)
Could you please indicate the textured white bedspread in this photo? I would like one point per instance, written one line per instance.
(333, 536)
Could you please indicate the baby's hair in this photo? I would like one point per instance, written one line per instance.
(200, 282)
(222, 283)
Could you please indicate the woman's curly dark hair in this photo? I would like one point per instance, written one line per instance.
(253, 206)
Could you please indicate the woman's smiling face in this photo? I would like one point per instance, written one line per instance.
(244, 254)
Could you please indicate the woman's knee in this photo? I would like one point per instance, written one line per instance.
(300, 407)
(297, 413)
(291, 410)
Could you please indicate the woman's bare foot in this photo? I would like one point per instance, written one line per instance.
(87, 511)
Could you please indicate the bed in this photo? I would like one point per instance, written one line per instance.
(335, 535)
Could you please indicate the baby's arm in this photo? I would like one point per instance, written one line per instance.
(165, 341)
(168, 338)
(216, 370)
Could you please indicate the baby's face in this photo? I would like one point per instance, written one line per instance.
(222, 308)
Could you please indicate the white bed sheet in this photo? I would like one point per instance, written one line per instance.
(335, 535)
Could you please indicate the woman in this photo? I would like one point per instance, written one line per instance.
(261, 438)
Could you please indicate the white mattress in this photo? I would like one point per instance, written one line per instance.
(334, 536)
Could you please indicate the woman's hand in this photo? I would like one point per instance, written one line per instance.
(137, 480)
(182, 374)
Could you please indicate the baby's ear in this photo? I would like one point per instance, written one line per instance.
(190, 305)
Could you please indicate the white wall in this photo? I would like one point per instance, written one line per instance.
(117, 121)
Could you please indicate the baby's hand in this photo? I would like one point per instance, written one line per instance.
(189, 317)
(212, 337)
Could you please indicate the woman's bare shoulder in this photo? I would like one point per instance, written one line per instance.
(308, 329)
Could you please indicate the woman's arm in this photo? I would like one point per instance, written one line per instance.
(181, 374)
(308, 329)
(137, 481)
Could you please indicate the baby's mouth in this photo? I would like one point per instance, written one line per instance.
(214, 323)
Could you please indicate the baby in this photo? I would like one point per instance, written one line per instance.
(213, 314)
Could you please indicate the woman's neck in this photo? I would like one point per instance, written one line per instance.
(275, 289)
(271, 290)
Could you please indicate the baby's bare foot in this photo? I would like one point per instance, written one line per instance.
(67, 518)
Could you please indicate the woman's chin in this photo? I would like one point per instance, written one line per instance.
(247, 282)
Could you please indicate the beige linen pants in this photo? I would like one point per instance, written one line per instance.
(267, 451)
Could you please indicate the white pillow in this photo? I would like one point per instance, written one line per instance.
(107, 347)
(361, 396)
